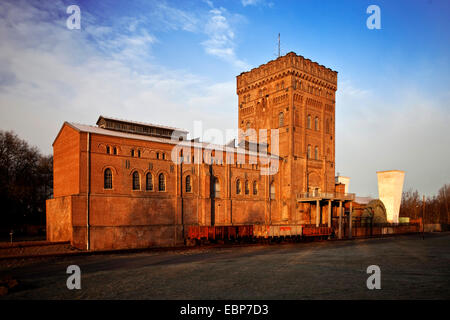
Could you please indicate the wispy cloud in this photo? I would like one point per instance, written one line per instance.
(221, 38)
(246, 3)
(75, 75)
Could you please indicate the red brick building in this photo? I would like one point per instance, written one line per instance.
(126, 184)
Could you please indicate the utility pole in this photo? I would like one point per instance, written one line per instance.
(423, 218)
(446, 203)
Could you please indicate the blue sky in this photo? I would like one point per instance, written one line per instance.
(175, 62)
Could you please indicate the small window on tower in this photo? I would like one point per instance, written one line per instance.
(281, 119)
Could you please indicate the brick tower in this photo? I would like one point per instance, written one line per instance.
(296, 96)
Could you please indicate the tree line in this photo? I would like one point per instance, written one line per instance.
(435, 208)
(26, 181)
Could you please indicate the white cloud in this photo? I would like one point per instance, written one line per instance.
(221, 38)
(77, 75)
(246, 3)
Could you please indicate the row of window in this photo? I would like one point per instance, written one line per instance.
(134, 152)
(316, 152)
(112, 150)
(308, 122)
(136, 183)
(247, 187)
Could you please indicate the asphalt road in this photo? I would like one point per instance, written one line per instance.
(411, 268)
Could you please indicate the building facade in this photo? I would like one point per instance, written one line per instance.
(126, 184)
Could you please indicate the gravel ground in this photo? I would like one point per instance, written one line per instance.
(411, 268)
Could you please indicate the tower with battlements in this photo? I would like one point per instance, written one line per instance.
(296, 96)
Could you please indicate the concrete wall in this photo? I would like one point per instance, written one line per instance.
(390, 187)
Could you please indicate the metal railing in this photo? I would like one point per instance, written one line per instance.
(325, 195)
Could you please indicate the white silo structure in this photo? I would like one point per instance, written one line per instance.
(390, 188)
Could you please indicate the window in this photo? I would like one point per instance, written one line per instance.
(164, 156)
(255, 188)
(157, 155)
(316, 153)
(281, 119)
(132, 152)
(272, 191)
(136, 182)
(139, 153)
(327, 126)
(115, 150)
(216, 188)
(238, 186)
(316, 124)
(162, 182)
(188, 184)
(308, 123)
(309, 152)
(108, 179)
(247, 188)
(149, 182)
(108, 151)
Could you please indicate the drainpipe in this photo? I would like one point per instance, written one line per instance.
(88, 190)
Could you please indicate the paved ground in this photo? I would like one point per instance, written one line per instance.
(411, 268)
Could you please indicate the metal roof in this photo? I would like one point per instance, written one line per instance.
(204, 145)
(142, 123)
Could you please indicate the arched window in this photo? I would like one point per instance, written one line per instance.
(248, 125)
(149, 182)
(255, 188)
(238, 186)
(281, 119)
(164, 156)
(107, 179)
(108, 150)
(132, 152)
(316, 124)
(316, 153)
(136, 182)
(139, 153)
(272, 191)
(327, 126)
(309, 152)
(162, 182)
(216, 188)
(115, 150)
(188, 184)
(308, 123)
(247, 187)
(157, 155)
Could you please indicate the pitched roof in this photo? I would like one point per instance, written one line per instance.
(204, 145)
